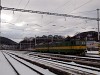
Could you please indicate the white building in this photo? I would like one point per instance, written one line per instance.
(92, 45)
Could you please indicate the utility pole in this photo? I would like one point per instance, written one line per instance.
(30, 44)
(98, 23)
(52, 39)
(35, 41)
(20, 46)
(0, 24)
(48, 42)
(98, 28)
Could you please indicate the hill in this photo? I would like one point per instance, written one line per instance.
(90, 35)
(6, 41)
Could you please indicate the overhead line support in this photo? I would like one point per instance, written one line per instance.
(98, 24)
(0, 23)
(47, 13)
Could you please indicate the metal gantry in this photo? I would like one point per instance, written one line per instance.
(47, 13)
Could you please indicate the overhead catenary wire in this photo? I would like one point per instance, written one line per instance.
(84, 12)
(80, 12)
(27, 4)
(77, 25)
(19, 29)
(47, 13)
(29, 0)
(58, 7)
(62, 5)
(24, 8)
(27, 24)
(76, 8)
(19, 4)
(0, 25)
(81, 5)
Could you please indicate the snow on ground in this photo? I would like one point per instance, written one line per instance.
(45, 61)
(93, 52)
(44, 71)
(22, 69)
(5, 68)
(93, 55)
(86, 70)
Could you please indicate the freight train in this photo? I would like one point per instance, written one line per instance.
(67, 47)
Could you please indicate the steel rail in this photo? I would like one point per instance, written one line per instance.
(25, 64)
(80, 71)
(69, 64)
(11, 65)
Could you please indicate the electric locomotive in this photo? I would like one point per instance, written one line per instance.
(72, 47)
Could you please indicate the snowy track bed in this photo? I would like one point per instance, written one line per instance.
(70, 68)
(71, 56)
(5, 67)
(90, 61)
(22, 67)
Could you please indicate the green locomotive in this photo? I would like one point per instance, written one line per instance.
(67, 47)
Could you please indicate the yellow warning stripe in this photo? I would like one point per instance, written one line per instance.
(64, 47)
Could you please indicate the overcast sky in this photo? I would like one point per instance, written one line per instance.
(17, 25)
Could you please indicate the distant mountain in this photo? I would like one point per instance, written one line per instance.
(90, 35)
(6, 41)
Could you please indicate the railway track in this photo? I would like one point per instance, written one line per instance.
(89, 61)
(32, 70)
(62, 65)
(89, 58)
(11, 65)
(72, 64)
(93, 55)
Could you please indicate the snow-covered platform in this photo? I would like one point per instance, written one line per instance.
(5, 68)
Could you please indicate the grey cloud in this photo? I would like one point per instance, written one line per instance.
(37, 24)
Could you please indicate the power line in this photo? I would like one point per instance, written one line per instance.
(19, 29)
(59, 8)
(81, 6)
(73, 9)
(62, 5)
(0, 25)
(27, 4)
(24, 8)
(47, 13)
(85, 11)
(19, 3)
